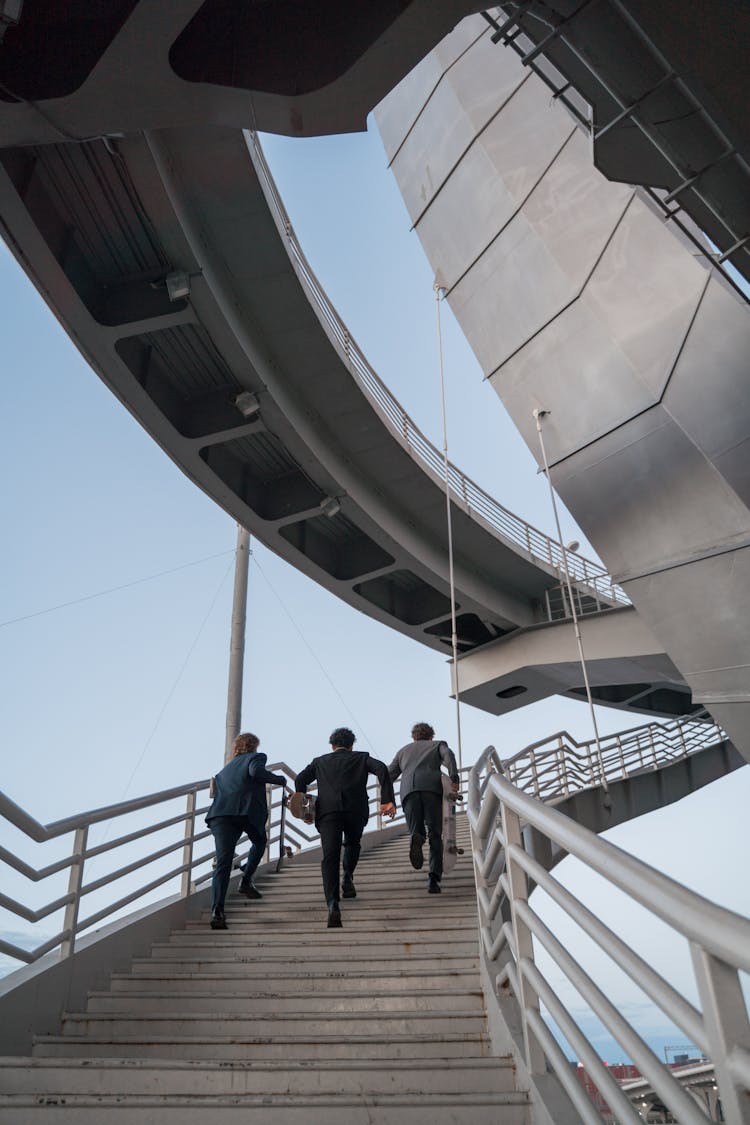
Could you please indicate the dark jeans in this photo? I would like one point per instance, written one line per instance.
(426, 809)
(332, 827)
(226, 831)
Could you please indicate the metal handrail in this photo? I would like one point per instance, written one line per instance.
(556, 766)
(590, 575)
(281, 832)
(511, 928)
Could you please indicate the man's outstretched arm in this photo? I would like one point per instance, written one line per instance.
(304, 778)
(387, 799)
(448, 758)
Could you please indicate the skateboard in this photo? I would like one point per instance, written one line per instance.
(451, 850)
(302, 806)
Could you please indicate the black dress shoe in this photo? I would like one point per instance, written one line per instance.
(334, 916)
(218, 921)
(348, 890)
(416, 858)
(433, 886)
(249, 890)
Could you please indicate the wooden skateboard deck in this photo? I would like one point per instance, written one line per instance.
(302, 806)
(451, 850)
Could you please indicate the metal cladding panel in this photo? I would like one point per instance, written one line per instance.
(497, 173)
(650, 495)
(715, 651)
(420, 82)
(708, 393)
(541, 259)
(460, 105)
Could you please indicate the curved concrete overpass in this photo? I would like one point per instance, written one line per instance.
(252, 384)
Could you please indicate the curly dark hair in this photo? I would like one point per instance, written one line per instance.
(245, 744)
(342, 736)
(422, 732)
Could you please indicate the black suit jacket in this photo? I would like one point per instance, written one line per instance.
(342, 782)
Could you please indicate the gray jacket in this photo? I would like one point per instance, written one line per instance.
(419, 764)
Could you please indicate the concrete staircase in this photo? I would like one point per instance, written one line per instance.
(282, 1020)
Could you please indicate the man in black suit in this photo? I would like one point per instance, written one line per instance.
(419, 766)
(342, 810)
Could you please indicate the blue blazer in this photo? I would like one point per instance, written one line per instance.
(241, 789)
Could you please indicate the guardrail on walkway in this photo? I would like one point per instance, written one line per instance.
(511, 930)
(597, 584)
(183, 833)
(558, 765)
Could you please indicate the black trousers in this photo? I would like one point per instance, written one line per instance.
(335, 828)
(226, 832)
(425, 810)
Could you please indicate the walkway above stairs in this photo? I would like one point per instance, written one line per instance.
(281, 1020)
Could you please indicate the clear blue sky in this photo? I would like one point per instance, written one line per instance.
(126, 693)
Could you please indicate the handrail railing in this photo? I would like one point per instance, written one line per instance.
(558, 765)
(184, 833)
(592, 576)
(511, 930)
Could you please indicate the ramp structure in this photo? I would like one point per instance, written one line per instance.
(580, 300)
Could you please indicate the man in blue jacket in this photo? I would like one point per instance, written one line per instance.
(239, 805)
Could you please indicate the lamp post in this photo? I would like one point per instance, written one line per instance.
(237, 641)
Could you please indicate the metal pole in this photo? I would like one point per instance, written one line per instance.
(538, 415)
(237, 641)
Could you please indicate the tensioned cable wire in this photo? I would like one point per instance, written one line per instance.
(174, 686)
(538, 415)
(439, 293)
(310, 649)
(113, 589)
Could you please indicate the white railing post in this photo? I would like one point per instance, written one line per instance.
(187, 847)
(726, 1024)
(269, 802)
(534, 773)
(75, 882)
(562, 766)
(518, 887)
(623, 768)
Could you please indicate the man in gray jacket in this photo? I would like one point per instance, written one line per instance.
(418, 764)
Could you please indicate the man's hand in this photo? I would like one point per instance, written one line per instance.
(388, 810)
(455, 786)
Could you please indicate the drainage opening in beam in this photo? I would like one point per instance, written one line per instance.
(254, 47)
(511, 692)
(54, 46)
(184, 374)
(405, 596)
(89, 214)
(264, 475)
(471, 631)
(337, 546)
(660, 700)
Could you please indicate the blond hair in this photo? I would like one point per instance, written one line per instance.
(245, 744)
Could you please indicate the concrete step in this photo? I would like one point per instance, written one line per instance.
(326, 943)
(293, 914)
(113, 1025)
(358, 1047)
(416, 1109)
(330, 980)
(296, 966)
(39, 1076)
(364, 922)
(228, 1000)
